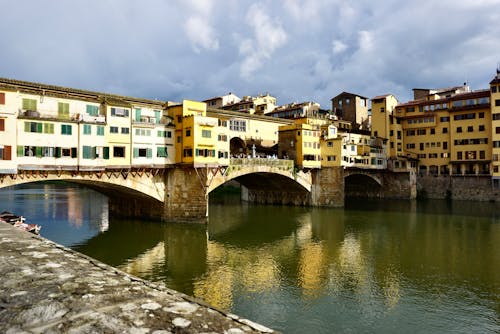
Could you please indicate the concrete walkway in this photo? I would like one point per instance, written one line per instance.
(47, 288)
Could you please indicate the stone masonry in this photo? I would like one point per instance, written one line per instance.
(47, 288)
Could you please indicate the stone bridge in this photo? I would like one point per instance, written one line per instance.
(181, 193)
(380, 183)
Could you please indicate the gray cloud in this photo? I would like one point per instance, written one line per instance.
(296, 49)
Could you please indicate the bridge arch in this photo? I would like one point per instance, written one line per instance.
(261, 173)
(360, 184)
(112, 184)
(237, 146)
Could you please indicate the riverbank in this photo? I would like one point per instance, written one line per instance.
(46, 287)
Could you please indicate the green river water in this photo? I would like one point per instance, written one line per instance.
(371, 267)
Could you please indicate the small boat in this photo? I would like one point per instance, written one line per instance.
(32, 228)
(11, 218)
(19, 222)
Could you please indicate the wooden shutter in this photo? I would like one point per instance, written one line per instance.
(2, 124)
(73, 152)
(2, 98)
(7, 152)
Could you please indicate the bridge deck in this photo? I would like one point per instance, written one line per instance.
(46, 287)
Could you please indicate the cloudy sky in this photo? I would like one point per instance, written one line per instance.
(297, 50)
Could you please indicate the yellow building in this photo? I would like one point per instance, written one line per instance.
(118, 134)
(331, 146)
(495, 128)
(301, 143)
(449, 134)
(386, 125)
(196, 136)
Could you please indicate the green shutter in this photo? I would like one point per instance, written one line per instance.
(149, 153)
(58, 152)
(20, 151)
(63, 110)
(86, 152)
(157, 116)
(74, 152)
(39, 127)
(93, 153)
(92, 110)
(136, 152)
(39, 151)
(106, 152)
(29, 104)
(27, 127)
(137, 115)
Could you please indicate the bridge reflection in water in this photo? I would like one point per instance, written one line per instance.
(397, 266)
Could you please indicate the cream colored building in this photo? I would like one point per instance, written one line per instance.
(47, 132)
(8, 124)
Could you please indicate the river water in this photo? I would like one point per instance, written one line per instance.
(371, 267)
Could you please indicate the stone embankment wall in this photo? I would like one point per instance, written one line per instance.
(47, 288)
(476, 188)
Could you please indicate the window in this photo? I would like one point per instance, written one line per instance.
(237, 125)
(100, 130)
(391, 133)
(92, 110)
(188, 133)
(421, 132)
(382, 109)
(445, 145)
(481, 115)
(29, 104)
(157, 116)
(482, 155)
(481, 128)
(119, 112)
(421, 146)
(433, 131)
(113, 129)
(119, 151)
(497, 103)
(445, 119)
(206, 133)
(497, 129)
(493, 89)
(470, 129)
(2, 124)
(87, 129)
(410, 146)
(5, 152)
(445, 130)
(48, 128)
(87, 152)
(66, 129)
(143, 152)
(459, 129)
(63, 110)
(125, 131)
(188, 152)
(161, 152)
(459, 155)
(2, 98)
(137, 115)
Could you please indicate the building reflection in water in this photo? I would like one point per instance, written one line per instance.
(372, 257)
